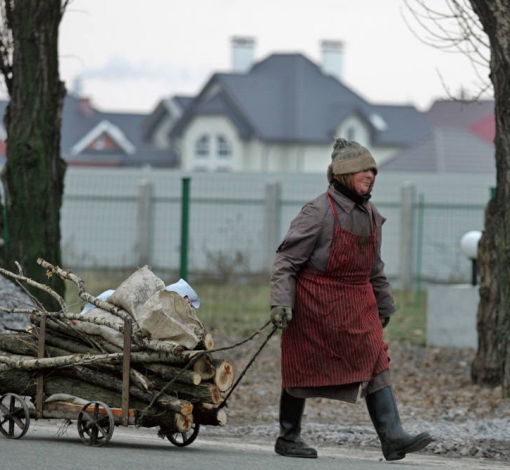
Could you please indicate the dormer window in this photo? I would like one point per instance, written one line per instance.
(378, 122)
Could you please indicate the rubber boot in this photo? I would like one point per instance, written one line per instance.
(290, 443)
(395, 442)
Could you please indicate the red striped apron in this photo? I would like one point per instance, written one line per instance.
(335, 336)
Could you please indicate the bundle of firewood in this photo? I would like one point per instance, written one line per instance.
(175, 376)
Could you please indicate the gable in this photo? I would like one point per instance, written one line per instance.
(160, 121)
(104, 137)
(213, 101)
(355, 127)
(286, 98)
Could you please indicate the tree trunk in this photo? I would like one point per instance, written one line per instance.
(492, 363)
(34, 173)
(486, 368)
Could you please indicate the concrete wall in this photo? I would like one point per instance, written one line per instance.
(451, 316)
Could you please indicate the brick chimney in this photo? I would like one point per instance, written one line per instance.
(243, 53)
(85, 106)
(332, 58)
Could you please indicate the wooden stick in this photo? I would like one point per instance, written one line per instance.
(83, 294)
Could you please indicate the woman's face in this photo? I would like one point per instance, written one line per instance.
(363, 181)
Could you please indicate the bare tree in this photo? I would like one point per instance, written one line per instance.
(454, 29)
(34, 173)
(492, 363)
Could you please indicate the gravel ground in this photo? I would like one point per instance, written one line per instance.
(432, 386)
(433, 390)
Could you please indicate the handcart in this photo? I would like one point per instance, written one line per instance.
(96, 420)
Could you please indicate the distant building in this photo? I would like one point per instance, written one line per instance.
(461, 141)
(95, 138)
(282, 114)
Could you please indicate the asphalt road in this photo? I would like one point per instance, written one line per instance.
(131, 448)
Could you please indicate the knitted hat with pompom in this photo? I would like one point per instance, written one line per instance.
(349, 157)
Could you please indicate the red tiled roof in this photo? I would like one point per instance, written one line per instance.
(485, 128)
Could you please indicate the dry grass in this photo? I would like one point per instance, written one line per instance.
(236, 309)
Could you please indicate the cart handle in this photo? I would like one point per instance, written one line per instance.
(252, 360)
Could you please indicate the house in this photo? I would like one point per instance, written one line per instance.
(476, 117)
(282, 114)
(460, 141)
(95, 138)
(157, 125)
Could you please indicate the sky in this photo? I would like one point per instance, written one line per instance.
(127, 55)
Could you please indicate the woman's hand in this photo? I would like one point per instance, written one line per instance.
(280, 316)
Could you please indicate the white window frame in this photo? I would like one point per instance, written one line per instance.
(213, 152)
(203, 147)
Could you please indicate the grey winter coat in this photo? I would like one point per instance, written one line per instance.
(308, 243)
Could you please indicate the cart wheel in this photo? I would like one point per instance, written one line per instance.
(183, 439)
(95, 424)
(14, 416)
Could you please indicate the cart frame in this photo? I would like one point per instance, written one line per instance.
(95, 420)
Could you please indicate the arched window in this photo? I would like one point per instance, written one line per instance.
(202, 147)
(224, 148)
(213, 152)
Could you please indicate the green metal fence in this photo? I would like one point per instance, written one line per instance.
(229, 228)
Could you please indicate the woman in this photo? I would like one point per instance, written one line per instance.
(331, 297)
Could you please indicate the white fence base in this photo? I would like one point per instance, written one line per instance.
(451, 316)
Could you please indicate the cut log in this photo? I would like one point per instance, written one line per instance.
(72, 346)
(205, 392)
(203, 367)
(99, 384)
(65, 328)
(207, 342)
(25, 344)
(223, 374)
(20, 382)
(170, 373)
(51, 362)
(209, 416)
(21, 343)
(172, 383)
(138, 379)
(170, 422)
(111, 383)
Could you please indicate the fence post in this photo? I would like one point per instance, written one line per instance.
(272, 221)
(406, 236)
(185, 227)
(144, 222)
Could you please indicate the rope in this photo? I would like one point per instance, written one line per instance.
(271, 333)
(192, 361)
